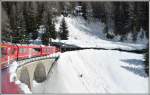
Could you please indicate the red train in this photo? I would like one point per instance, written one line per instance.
(11, 52)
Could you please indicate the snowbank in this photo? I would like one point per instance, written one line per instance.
(96, 71)
(12, 70)
(23, 87)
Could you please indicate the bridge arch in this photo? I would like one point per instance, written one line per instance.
(40, 73)
(35, 70)
(24, 77)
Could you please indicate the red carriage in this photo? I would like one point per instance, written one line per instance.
(11, 52)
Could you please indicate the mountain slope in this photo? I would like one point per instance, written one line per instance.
(90, 34)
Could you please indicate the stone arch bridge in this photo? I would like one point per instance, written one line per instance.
(35, 69)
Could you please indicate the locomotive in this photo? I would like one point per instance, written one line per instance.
(11, 52)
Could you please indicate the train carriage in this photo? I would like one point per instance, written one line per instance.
(10, 52)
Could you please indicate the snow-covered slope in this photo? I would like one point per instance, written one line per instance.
(90, 34)
(96, 71)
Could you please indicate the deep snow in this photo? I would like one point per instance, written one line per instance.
(102, 71)
(90, 34)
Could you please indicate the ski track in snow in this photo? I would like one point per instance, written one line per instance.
(101, 70)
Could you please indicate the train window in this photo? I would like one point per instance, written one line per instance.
(12, 51)
(37, 49)
(4, 52)
(46, 50)
(22, 50)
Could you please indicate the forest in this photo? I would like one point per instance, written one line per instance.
(21, 20)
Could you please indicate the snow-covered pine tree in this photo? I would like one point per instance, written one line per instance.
(63, 30)
(51, 27)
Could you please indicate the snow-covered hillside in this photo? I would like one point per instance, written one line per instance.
(90, 71)
(90, 34)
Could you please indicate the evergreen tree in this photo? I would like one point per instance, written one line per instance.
(45, 38)
(109, 22)
(147, 60)
(40, 11)
(84, 10)
(122, 21)
(63, 30)
(30, 20)
(20, 25)
(118, 18)
(71, 7)
(98, 10)
(143, 17)
(125, 18)
(6, 29)
(51, 27)
(10, 8)
(134, 24)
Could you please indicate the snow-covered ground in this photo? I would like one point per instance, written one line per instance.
(96, 71)
(90, 34)
(13, 77)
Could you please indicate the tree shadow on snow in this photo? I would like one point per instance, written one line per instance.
(135, 66)
(135, 62)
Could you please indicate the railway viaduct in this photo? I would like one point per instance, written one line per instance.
(35, 69)
(28, 70)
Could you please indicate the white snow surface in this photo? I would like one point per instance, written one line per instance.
(23, 86)
(90, 34)
(12, 71)
(96, 71)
